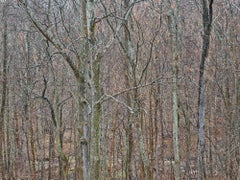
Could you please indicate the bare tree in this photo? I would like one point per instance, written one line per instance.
(107, 89)
(207, 13)
(174, 53)
(4, 87)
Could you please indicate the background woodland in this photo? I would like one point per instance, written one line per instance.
(120, 89)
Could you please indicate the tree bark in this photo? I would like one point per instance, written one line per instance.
(4, 94)
(174, 53)
(207, 23)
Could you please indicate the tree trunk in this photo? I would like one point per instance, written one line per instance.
(4, 96)
(96, 93)
(174, 53)
(207, 23)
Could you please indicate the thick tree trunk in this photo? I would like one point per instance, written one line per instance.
(96, 120)
(96, 92)
(174, 53)
(207, 23)
(4, 96)
(83, 130)
(236, 98)
(84, 69)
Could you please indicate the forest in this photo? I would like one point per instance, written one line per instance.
(120, 89)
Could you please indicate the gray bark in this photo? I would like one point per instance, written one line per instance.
(173, 27)
(207, 23)
(4, 94)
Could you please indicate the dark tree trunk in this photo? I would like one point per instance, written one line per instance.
(207, 22)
